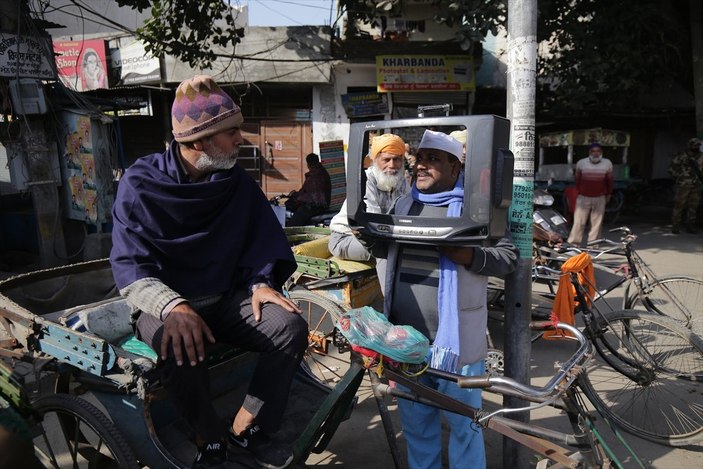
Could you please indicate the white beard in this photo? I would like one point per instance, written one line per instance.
(216, 161)
(386, 181)
(595, 160)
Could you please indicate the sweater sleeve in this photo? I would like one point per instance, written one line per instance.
(498, 260)
(150, 295)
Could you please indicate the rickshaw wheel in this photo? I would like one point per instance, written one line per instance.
(495, 362)
(326, 359)
(71, 432)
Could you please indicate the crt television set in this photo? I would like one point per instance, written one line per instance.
(488, 177)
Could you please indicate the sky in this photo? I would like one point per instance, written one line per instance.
(290, 12)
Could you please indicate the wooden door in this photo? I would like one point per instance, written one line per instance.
(284, 147)
(250, 152)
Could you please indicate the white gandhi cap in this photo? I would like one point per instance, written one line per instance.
(441, 141)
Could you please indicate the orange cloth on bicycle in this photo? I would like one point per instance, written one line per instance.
(564, 302)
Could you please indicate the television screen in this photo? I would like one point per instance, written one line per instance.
(487, 173)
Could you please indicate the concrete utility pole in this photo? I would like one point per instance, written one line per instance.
(45, 197)
(521, 89)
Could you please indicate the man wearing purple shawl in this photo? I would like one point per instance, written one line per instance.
(442, 293)
(199, 254)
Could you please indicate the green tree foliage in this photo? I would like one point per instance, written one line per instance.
(608, 55)
(187, 29)
(477, 18)
(594, 54)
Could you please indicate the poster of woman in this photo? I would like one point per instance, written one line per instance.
(93, 74)
(82, 65)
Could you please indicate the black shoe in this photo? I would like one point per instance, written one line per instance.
(692, 230)
(211, 455)
(267, 452)
(675, 229)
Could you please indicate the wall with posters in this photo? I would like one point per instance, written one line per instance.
(79, 168)
(87, 168)
(82, 65)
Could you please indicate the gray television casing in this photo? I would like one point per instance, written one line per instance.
(484, 216)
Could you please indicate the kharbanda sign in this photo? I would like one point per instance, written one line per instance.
(425, 73)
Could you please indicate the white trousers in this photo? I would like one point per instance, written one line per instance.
(588, 209)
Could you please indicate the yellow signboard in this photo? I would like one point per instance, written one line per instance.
(425, 73)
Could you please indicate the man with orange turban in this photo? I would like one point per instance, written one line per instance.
(385, 183)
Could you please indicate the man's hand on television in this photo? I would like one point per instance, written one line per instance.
(460, 255)
(375, 246)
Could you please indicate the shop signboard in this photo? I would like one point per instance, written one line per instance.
(82, 65)
(132, 64)
(28, 53)
(365, 104)
(424, 73)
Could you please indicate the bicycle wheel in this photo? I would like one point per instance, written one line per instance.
(645, 375)
(614, 206)
(326, 358)
(680, 298)
(71, 432)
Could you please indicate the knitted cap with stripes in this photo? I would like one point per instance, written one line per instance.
(201, 109)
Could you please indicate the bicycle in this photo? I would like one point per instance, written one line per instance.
(278, 204)
(586, 446)
(332, 361)
(645, 371)
(679, 297)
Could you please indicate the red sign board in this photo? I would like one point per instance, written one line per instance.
(82, 65)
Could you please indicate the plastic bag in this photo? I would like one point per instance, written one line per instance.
(365, 327)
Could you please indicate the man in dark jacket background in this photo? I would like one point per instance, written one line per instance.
(314, 197)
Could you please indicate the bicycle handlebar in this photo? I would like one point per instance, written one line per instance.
(579, 357)
(622, 229)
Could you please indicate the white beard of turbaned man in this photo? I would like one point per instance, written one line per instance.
(387, 180)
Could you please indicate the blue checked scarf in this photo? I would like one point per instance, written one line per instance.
(445, 349)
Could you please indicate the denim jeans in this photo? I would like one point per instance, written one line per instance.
(422, 427)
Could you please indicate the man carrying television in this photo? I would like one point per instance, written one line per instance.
(441, 291)
(385, 183)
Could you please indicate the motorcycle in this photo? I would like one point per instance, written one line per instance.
(284, 215)
(548, 225)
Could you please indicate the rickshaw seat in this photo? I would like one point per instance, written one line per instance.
(111, 320)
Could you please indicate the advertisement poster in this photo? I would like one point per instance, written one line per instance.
(132, 64)
(78, 166)
(332, 158)
(29, 53)
(82, 65)
(364, 104)
(425, 73)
